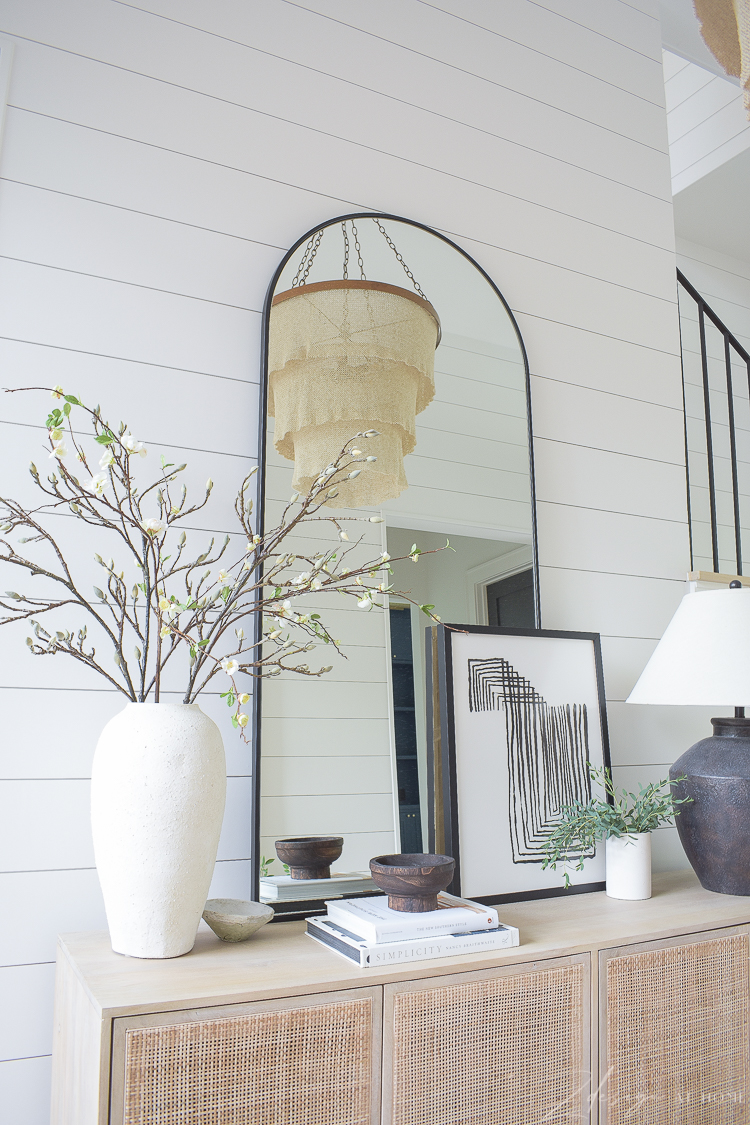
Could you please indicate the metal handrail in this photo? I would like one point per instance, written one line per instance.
(731, 344)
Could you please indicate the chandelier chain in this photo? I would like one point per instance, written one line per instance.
(346, 252)
(300, 278)
(358, 248)
(399, 258)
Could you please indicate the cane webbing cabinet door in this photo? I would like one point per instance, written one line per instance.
(310, 1060)
(674, 1031)
(506, 1046)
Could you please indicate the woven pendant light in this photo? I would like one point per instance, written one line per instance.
(725, 27)
(346, 357)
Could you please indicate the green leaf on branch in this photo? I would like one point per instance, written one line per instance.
(106, 438)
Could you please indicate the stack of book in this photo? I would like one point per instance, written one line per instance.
(368, 932)
(283, 888)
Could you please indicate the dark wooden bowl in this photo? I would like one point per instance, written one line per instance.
(412, 881)
(310, 857)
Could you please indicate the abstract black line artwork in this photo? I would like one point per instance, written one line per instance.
(547, 752)
(522, 715)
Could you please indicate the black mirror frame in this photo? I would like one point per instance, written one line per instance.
(261, 478)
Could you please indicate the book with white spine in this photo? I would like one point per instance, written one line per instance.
(283, 888)
(373, 919)
(369, 955)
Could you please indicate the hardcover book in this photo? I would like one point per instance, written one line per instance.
(373, 920)
(369, 955)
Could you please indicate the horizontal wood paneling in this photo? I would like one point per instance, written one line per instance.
(156, 172)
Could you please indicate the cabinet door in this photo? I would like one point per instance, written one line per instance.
(506, 1046)
(308, 1059)
(674, 1031)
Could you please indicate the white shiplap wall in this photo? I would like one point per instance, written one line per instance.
(159, 156)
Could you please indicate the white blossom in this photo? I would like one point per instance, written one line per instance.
(107, 458)
(365, 603)
(98, 483)
(133, 446)
(224, 579)
(59, 450)
(230, 666)
(152, 526)
(243, 719)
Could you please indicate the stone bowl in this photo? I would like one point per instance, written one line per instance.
(310, 857)
(412, 880)
(233, 919)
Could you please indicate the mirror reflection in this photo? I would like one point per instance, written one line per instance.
(367, 314)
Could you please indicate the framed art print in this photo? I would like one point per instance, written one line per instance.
(521, 717)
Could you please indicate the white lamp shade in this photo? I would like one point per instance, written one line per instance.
(704, 655)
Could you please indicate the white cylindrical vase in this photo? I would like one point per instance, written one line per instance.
(629, 866)
(158, 787)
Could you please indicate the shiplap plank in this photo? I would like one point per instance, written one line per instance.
(593, 478)
(291, 735)
(27, 992)
(581, 416)
(127, 390)
(615, 604)
(48, 825)
(64, 309)
(591, 359)
(43, 904)
(585, 539)
(332, 814)
(44, 227)
(344, 774)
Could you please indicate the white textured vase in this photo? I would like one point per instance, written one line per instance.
(629, 866)
(158, 787)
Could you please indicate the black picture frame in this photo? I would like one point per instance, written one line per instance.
(447, 751)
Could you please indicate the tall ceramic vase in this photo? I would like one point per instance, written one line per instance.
(158, 787)
(629, 866)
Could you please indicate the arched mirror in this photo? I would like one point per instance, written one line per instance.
(346, 755)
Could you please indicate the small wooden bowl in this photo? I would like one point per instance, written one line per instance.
(412, 881)
(310, 857)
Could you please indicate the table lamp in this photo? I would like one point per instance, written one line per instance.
(704, 659)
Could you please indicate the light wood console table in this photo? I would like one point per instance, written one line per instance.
(612, 1012)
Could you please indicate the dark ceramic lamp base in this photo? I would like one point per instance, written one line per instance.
(715, 827)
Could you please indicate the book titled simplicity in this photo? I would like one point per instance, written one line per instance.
(369, 954)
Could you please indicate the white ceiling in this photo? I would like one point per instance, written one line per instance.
(714, 210)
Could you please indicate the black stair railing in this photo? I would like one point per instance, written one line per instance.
(716, 398)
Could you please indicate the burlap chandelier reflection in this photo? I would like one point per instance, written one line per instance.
(344, 357)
